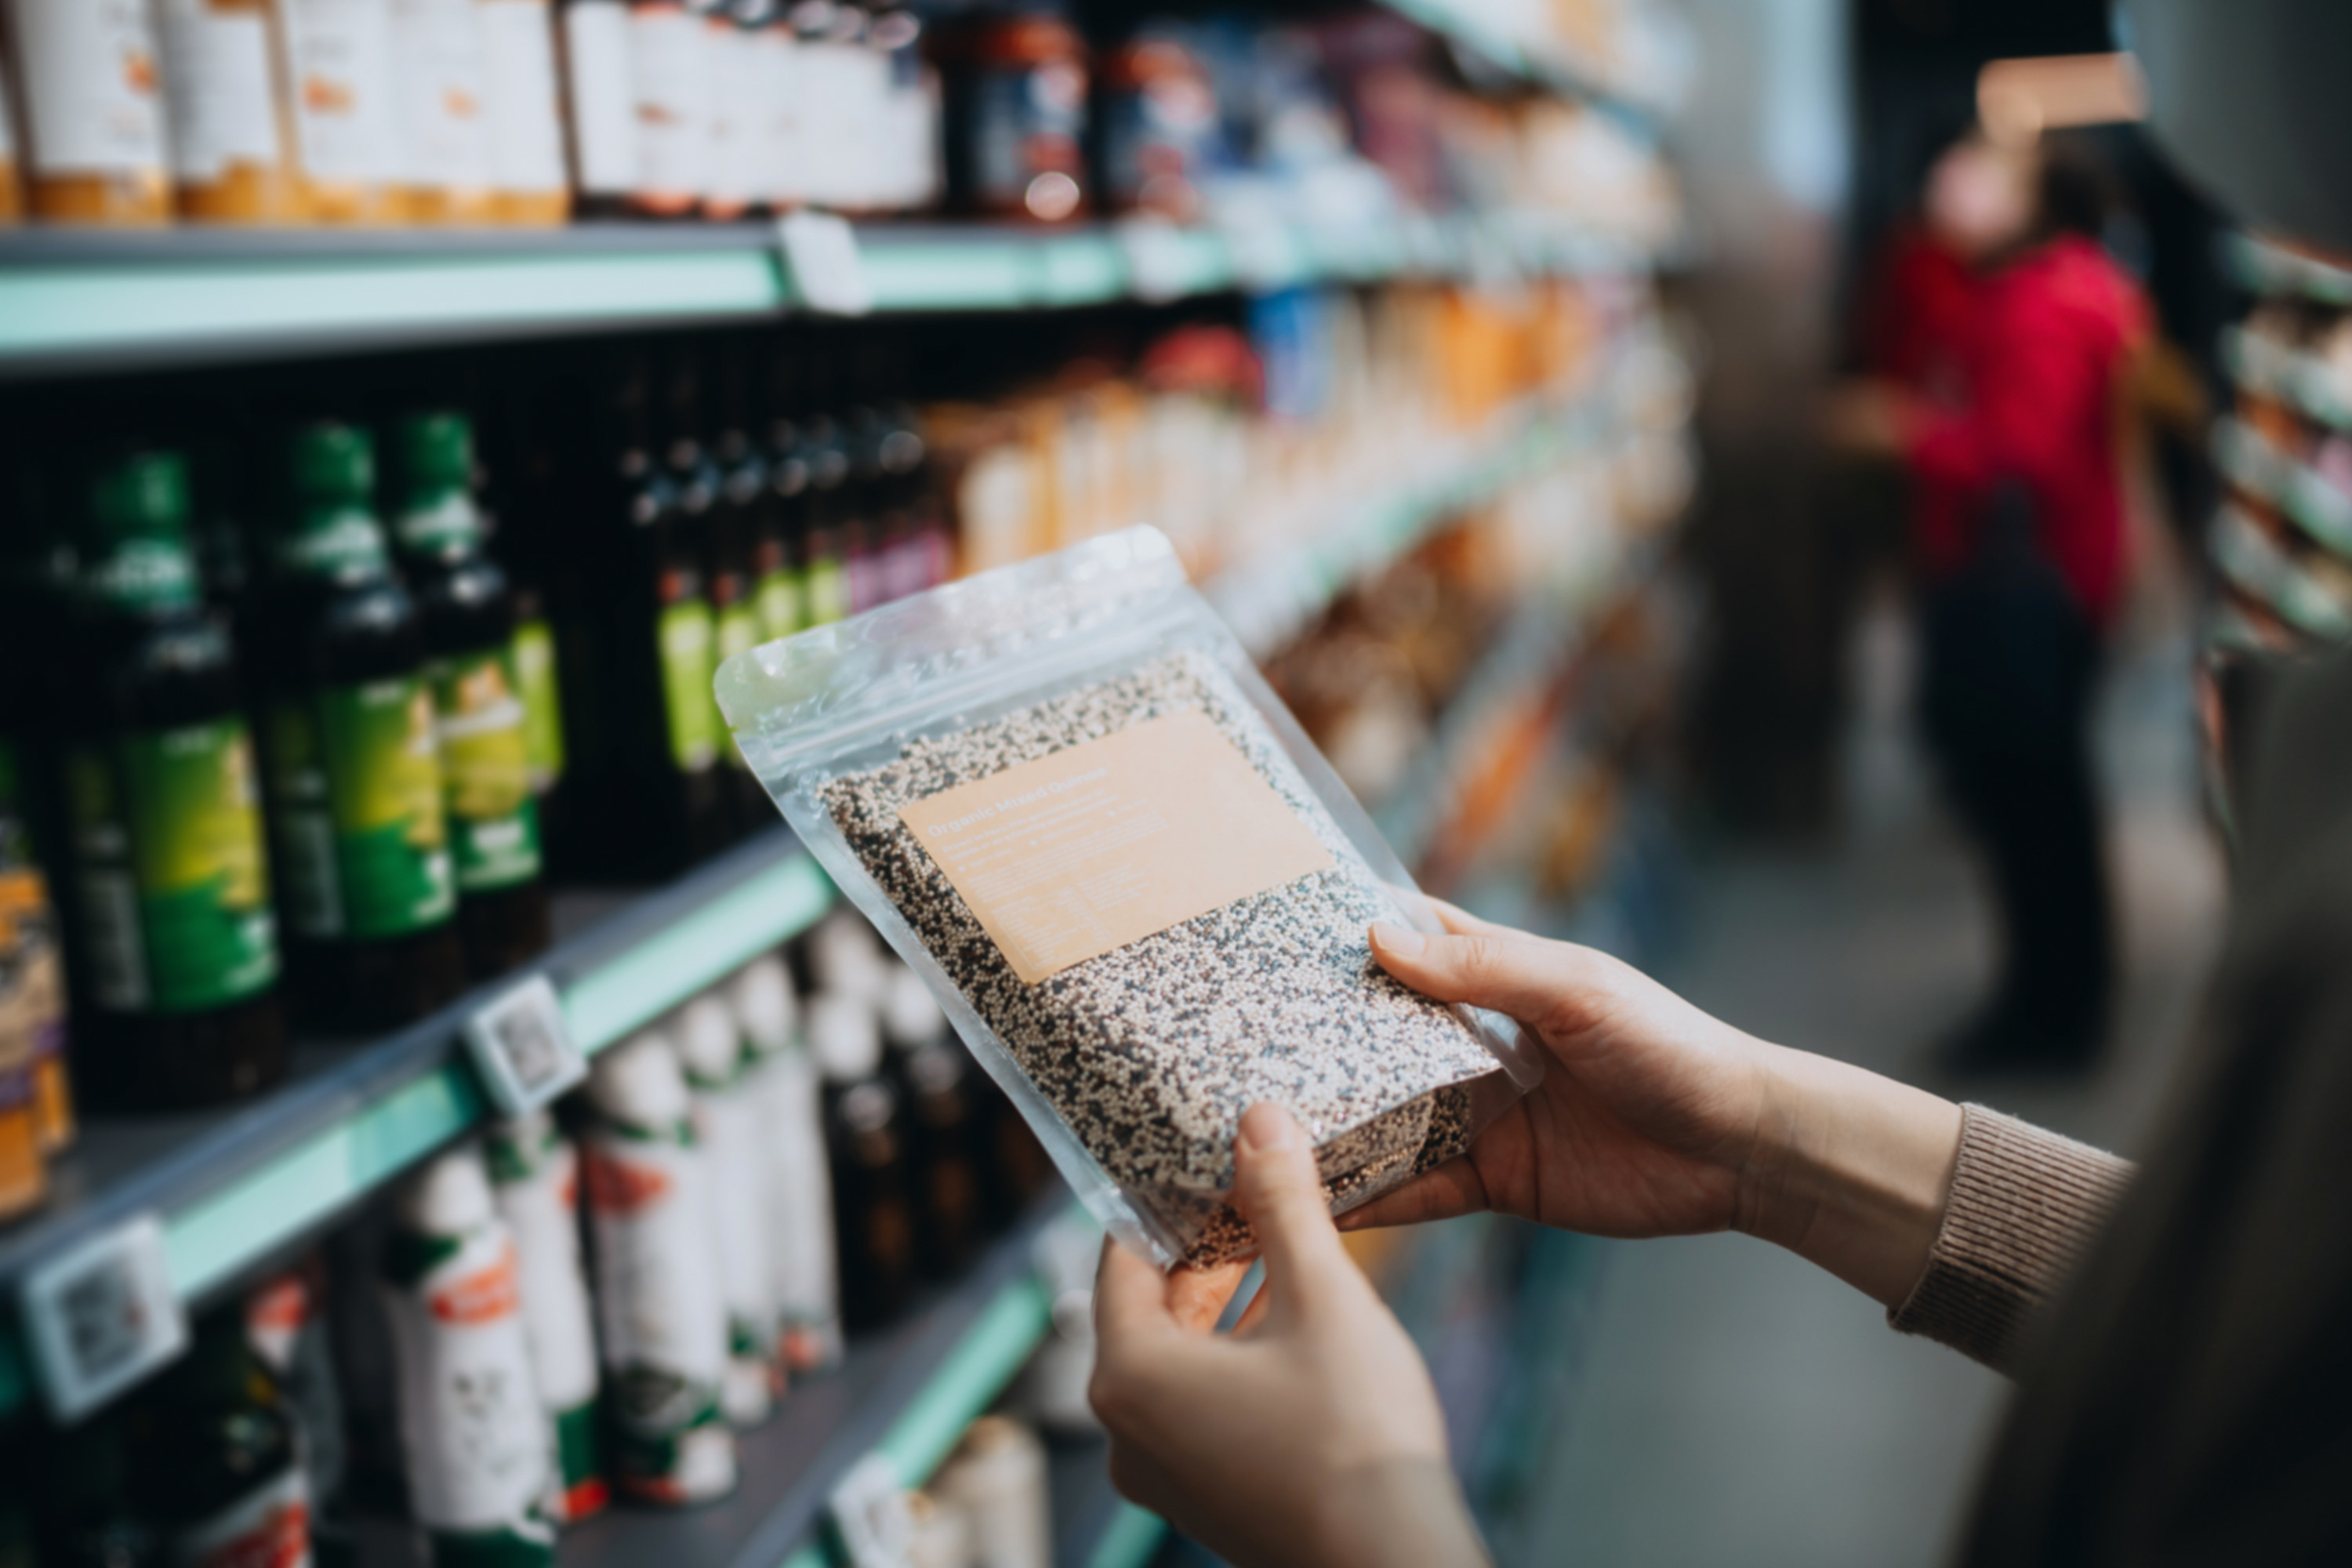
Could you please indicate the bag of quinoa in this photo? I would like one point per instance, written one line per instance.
(1062, 792)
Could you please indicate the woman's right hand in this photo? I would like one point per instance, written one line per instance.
(1654, 1119)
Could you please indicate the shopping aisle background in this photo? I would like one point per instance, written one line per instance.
(1734, 1405)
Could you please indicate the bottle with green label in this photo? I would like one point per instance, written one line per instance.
(466, 618)
(828, 520)
(353, 765)
(777, 582)
(174, 940)
(733, 570)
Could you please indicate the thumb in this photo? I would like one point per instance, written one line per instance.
(1276, 1190)
(1519, 975)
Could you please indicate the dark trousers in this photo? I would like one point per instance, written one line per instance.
(2009, 665)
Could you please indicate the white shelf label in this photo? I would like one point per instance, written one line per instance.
(102, 1316)
(827, 272)
(522, 1048)
(869, 1509)
(1159, 264)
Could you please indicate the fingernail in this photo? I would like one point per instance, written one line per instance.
(1402, 940)
(1267, 1129)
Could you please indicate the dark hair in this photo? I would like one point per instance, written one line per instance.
(2076, 192)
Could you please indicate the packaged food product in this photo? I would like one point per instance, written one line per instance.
(339, 54)
(12, 189)
(535, 1173)
(997, 1477)
(1063, 793)
(657, 1288)
(728, 1120)
(525, 111)
(232, 129)
(804, 1278)
(93, 111)
(470, 1422)
(441, 87)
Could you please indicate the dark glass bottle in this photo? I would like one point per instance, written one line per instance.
(466, 613)
(354, 771)
(867, 1142)
(221, 1470)
(176, 949)
(945, 1123)
(828, 523)
(778, 583)
(731, 539)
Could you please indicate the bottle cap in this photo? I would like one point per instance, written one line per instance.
(844, 958)
(330, 462)
(449, 1198)
(638, 1083)
(842, 1034)
(765, 1008)
(435, 451)
(910, 1015)
(708, 1046)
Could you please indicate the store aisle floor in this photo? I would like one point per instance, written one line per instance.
(1739, 1409)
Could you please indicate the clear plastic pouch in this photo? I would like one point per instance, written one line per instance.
(1134, 1061)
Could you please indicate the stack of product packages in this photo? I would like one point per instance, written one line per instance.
(1063, 795)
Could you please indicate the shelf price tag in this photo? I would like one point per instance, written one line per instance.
(870, 1512)
(1159, 264)
(821, 254)
(101, 1316)
(522, 1048)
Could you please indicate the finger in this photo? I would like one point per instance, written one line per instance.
(1521, 977)
(1461, 922)
(1130, 1300)
(1254, 1313)
(1276, 1190)
(1454, 1188)
(1196, 1298)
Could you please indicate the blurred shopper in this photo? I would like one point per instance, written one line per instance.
(2178, 1334)
(2007, 403)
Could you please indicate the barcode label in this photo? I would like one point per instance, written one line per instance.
(522, 1048)
(102, 1316)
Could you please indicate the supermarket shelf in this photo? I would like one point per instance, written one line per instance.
(1093, 1527)
(235, 1186)
(2251, 463)
(1269, 599)
(907, 1393)
(2258, 567)
(2268, 268)
(90, 302)
(2270, 369)
(1547, 63)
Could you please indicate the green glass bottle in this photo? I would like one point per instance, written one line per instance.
(466, 610)
(353, 760)
(175, 942)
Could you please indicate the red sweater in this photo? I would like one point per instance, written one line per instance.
(2052, 331)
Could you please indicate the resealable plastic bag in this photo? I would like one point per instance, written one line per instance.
(1063, 793)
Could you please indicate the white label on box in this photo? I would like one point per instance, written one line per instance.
(102, 1316)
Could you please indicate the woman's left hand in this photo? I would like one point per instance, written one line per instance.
(1309, 1437)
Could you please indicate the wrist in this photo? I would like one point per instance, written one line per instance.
(1850, 1171)
(1397, 1513)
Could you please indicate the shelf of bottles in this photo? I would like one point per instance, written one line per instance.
(2282, 542)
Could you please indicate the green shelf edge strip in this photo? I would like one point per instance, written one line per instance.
(1133, 1536)
(210, 1241)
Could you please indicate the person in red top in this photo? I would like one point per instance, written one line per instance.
(2020, 537)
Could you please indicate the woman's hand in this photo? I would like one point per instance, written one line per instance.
(1654, 1119)
(1311, 1438)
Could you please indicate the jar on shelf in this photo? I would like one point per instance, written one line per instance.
(526, 113)
(441, 89)
(346, 133)
(1155, 113)
(91, 80)
(1015, 86)
(232, 127)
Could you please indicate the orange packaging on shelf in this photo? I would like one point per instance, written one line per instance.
(12, 189)
(93, 111)
(441, 91)
(346, 138)
(232, 127)
(525, 111)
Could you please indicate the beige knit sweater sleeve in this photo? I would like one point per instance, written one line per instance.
(2024, 1205)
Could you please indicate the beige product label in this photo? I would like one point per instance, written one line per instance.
(442, 81)
(525, 113)
(1066, 857)
(90, 77)
(603, 104)
(342, 56)
(223, 107)
(669, 69)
